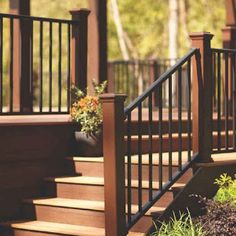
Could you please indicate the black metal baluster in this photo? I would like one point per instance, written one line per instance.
(32, 66)
(170, 125)
(226, 101)
(140, 156)
(59, 68)
(234, 100)
(128, 89)
(68, 68)
(129, 168)
(160, 164)
(41, 67)
(150, 145)
(180, 118)
(50, 66)
(123, 87)
(214, 105)
(189, 109)
(1, 64)
(231, 96)
(11, 64)
(219, 101)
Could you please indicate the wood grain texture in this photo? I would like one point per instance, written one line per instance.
(28, 153)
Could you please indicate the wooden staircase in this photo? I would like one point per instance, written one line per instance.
(74, 204)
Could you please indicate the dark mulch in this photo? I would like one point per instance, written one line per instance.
(219, 219)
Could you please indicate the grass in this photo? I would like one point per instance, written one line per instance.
(182, 226)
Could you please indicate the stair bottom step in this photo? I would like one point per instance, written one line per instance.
(42, 228)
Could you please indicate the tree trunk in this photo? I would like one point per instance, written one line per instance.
(183, 20)
(173, 40)
(119, 29)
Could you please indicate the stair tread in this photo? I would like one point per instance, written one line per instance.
(56, 228)
(134, 158)
(88, 180)
(81, 204)
(60, 228)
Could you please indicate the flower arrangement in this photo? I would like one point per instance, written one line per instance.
(86, 109)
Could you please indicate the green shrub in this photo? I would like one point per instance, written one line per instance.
(227, 189)
(182, 226)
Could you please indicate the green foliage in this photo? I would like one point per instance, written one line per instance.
(227, 189)
(87, 109)
(146, 24)
(182, 226)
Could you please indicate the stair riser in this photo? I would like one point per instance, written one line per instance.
(156, 146)
(96, 193)
(76, 216)
(95, 169)
(175, 143)
(65, 215)
(165, 126)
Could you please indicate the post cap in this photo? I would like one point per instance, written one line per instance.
(108, 97)
(201, 35)
(79, 11)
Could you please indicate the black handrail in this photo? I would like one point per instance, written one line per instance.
(160, 80)
(36, 18)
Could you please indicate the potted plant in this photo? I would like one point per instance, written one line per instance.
(86, 110)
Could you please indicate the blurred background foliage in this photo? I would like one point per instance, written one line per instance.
(145, 22)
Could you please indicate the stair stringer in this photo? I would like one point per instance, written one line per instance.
(202, 183)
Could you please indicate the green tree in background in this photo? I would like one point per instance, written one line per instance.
(145, 22)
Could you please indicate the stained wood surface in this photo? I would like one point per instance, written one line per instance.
(61, 229)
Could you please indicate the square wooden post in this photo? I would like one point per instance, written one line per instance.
(114, 164)
(110, 77)
(79, 47)
(202, 96)
(22, 57)
(230, 7)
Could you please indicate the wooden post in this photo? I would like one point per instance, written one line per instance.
(22, 56)
(202, 96)
(79, 47)
(153, 76)
(230, 7)
(114, 164)
(97, 41)
(110, 78)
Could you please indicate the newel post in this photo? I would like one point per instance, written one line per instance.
(202, 96)
(79, 47)
(114, 163)
(22, 57)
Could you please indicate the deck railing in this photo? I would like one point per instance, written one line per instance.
(118, 158)
(184, 159)
(39, 60)
(224, 75)
(133, 77)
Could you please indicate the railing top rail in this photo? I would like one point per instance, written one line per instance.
(35, 18)
(160, 80)
(222, 50)
(144, 60)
